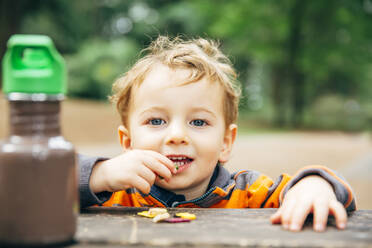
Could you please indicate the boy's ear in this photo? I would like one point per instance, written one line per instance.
(124, 137)
(228, 142)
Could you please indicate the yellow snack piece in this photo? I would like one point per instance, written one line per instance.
(152, 212)
(157, 211)
(186, 216)
(146, 214)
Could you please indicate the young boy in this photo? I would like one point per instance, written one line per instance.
(178, 107)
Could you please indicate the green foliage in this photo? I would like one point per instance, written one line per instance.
(337, 112)
(93, 69)
(300, 62)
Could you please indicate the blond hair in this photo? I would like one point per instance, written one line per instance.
(201, 56)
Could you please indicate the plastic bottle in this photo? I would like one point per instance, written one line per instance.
(38, 186)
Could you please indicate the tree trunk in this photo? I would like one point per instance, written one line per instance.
(296, 77)
(298, 104)
(279, 94)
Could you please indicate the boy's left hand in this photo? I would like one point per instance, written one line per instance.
(314, 195)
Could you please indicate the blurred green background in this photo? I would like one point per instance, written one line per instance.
(302, 64)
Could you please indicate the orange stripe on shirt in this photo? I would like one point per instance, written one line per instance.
(125, 199)
(257, 192)
(273, 201)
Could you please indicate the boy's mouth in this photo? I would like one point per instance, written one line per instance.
(182, 162)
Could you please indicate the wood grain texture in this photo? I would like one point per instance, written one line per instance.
(122, 227)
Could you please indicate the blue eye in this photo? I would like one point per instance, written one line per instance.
(198, 123)
(156, 122)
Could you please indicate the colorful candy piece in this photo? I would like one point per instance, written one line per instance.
(157, 211)
(176, 220)
(186, 216)
(146, 214)
(152, 212)
(160, 217)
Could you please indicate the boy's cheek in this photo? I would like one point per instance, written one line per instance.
(143, 139)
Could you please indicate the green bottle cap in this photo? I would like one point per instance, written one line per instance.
(32, 65)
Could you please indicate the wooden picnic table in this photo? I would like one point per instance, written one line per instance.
(122, 227)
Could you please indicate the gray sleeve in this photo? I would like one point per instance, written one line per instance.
(343, 191)
(87, 197)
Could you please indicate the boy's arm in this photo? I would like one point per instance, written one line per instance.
(87, 197)
(317, 190)
(341, 188)
(132, 169)
(276, 192)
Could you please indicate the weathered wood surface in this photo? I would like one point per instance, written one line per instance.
(121, 227)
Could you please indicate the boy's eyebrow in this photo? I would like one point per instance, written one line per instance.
(152, 109)
(200, 109)
(196, 109)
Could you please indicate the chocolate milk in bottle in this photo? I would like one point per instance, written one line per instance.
(38, 187)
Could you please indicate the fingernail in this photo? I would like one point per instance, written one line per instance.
(295, 227)
(319, 227)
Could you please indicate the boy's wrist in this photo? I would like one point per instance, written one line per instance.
(316, 180)
(340, 188)
(97, 182)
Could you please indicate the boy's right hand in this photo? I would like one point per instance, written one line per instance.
(132, 169)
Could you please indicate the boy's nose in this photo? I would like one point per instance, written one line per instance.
(177, 135)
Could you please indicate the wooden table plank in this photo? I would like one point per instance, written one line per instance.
(119, 226)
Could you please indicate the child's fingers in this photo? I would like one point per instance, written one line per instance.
(163, 159)
(147, 174)
(300, 212)
(320, 215)
(339, 212)
(141, 184)
(276, 217)
(286, 212)
(157, 167)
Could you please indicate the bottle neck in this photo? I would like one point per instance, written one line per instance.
(34, 118)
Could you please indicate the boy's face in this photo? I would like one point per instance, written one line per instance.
(183, 122)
